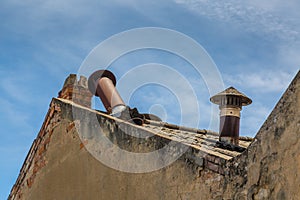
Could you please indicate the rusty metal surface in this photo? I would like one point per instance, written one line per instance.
(229, 127)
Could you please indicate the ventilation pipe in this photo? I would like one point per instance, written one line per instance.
(230, 103)
(102, 84)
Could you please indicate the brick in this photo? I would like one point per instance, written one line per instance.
(212, 166)
(71, 125)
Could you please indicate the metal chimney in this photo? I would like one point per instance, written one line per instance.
(230, 103)
(102, 84)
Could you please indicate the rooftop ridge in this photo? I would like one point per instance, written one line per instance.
(148, 126)
(189, 129)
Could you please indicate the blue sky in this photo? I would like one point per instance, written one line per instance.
(255, 46)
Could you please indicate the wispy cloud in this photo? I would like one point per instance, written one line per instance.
(261, 81)
(252, 17)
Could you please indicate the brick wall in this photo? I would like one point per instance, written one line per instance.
(76, 91)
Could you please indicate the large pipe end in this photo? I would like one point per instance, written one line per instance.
(93, 80)
(102, 84)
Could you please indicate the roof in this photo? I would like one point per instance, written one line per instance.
(203, 140)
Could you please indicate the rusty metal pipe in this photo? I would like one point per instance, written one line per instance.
(102, 83)
(108, 94)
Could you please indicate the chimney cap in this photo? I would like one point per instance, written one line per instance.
(93, 79)
(231, 91)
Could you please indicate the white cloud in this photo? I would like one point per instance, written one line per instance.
(261, 81)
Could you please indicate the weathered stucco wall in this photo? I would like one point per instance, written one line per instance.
(71, 172)
(60, 167)
(270, 168)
